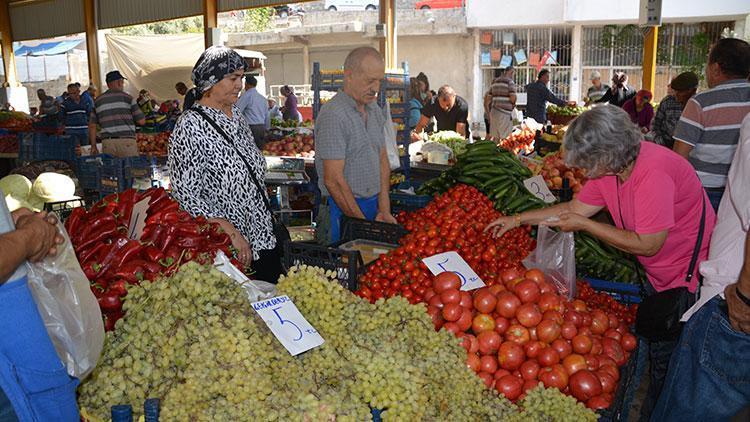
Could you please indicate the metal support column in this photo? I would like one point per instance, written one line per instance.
(6, 41)
(388, 46)
(210, 20)
(649, 58)
(92, 43)
(576, 75)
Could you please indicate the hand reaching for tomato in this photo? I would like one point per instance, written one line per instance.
(502, 225)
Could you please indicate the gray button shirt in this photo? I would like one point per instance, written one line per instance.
(341, 134)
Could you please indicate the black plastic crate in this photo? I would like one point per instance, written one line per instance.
(348, 265)
(630, 379)
(64, 208)
(354, 229)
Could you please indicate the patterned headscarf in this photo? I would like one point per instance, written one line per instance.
(213, 65)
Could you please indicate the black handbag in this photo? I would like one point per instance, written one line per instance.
(279, 229)
(658, 316)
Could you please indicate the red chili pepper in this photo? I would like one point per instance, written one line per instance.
(157, 196)
(118, 287)
(152, 233)
(91, 270)
(104, 234)
(85, 254)
(157, 216)
(72, 224)
(152, 267)
(113, 253)
(125, 205)
(201, 220)
(193, 242)
(168, 238)
(108, 204)
(128, 252)
(188, 229)
(110, 301)
(221, 239)
(153, 254)
(93, 226)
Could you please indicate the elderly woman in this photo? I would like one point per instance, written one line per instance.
(640, 109)
(216, 169)
(654, 197)
(290, 110)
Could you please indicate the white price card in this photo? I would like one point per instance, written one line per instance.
(538, 187)
(288, 325)
(138, 219)
(452, 261)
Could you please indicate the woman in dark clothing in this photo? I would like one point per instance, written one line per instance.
(290, 111)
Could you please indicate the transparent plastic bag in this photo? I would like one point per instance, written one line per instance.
(391, 147)
(256, 289)
(555, 255)
(68, 308)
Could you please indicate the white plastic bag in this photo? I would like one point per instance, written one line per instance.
(256, 289)
(555, 255)
(390, 139)
(70, 311)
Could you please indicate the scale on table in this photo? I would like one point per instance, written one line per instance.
(281, 173)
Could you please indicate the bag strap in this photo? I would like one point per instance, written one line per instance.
(698, 243)
(223, 133)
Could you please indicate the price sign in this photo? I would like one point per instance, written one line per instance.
(452, 261)
(538, 187)
(288, 325)
(138, 219)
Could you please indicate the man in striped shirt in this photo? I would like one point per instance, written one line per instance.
(115, 111)
(500, 101)
(709, 127)
(75, 111)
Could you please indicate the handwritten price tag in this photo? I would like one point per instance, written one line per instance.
(452, 261)
(288, 325)
(538, 187)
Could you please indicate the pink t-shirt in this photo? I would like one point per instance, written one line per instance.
(662, 193)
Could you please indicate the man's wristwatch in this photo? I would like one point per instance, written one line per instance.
(741, 296)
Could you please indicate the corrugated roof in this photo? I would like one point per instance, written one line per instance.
(115, 13)
(46, 19)
(228, 5)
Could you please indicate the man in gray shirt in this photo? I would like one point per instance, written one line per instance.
(350, 155)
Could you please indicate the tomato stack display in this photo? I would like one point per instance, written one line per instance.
(519, 141)
(554, 170)
(112, 260)
(605, 302)
(453, 221)
(153, 144)
(521, 332)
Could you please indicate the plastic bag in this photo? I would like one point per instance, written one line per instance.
(555, 255)
(390, 139)
(68, 308)
(256, 289)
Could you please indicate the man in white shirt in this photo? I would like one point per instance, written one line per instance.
(254, 107)
(709, 372)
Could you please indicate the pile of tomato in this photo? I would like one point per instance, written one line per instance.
(453, 221)
(520, 332)
(605, 302)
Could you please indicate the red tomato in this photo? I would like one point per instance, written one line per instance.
(553, 315)
(452, 312)
(473, 362)
(613, 334)
(562, 347)
(554, 377)
(598, 403)
(612, 348)
(574, 363)
(599, 322)
(581, 344)
(465, 320)
(489, 342)
(529, 369)
(510, 274)
(528, 315)
(510, 355)
(548, 357)
(585, 385)
(629, 342)
(535, 275)
(549, 302)
(507, 304)
(592, 362)
(501, 325)
(466, 300)
(568, 331)
(517, 334)
(485, 302)
(527, 291)
(486, 378)
(533, 348)
(509, 386)
(446, 280)
(482, 322)
(608, 381)
(452, 328)
(450, 296)
(488, 363)
(548, 331)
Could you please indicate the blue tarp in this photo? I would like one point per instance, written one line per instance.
(47, 48)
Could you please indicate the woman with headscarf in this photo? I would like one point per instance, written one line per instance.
(216, 169)
(290, 110)
(640, 110)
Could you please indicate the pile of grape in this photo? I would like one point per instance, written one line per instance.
(195, 342)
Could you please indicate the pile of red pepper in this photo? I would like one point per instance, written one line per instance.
(111, 260)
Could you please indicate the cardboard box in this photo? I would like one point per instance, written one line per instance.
(120, 147)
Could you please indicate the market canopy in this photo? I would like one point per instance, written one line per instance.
(47, 48)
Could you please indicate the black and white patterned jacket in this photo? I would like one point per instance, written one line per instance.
(209, 178)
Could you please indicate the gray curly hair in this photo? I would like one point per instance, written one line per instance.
(602, 140)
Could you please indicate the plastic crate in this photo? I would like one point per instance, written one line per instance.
(625, 293)
(54, 147)
(138, 167)
(112, 176)
(406, 202)
(25, 147)
(355, 229)
(64, 208)
(87, 171)
(348, 265)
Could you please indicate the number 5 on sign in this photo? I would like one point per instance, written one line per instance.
(288, 325)
(452, 261)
